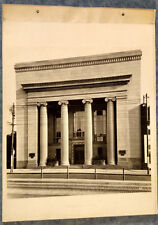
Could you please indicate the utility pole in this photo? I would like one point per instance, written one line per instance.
(12, 144)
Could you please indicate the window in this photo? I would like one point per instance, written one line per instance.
(58, 134)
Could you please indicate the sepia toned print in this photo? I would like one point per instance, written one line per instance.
(78, 116)
(81, 122)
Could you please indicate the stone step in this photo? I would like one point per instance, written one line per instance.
(72, 181)
(82, 187)
(74, 185)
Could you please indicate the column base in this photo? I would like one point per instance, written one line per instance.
(88, 163)
(65, 164)
(42, 165)
(111, 163)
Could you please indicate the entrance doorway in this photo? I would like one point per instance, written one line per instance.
(78, 154)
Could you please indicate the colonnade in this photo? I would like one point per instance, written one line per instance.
(88, 151)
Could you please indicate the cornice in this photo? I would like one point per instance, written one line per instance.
(72, 84)
(79, 61)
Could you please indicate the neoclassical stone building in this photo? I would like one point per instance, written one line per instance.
(80, 110)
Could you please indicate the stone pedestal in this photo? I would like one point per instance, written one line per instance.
(122, 131)
(32, 136)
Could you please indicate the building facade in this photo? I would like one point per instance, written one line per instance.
(80, 111)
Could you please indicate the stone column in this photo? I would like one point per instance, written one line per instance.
(110, 131)
(64, 133)
(43, 134)
(88, 152)
(93, 132)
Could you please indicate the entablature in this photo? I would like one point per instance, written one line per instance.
(77, 84)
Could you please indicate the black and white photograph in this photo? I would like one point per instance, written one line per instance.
(79, 112)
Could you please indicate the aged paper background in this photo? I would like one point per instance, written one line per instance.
(55, 32)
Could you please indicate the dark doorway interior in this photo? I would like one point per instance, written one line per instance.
(58, 155)
(100, 152)
(78, 154)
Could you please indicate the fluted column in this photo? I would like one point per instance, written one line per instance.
(64, 133)
(110, 131)
(88, 152)
(43, 134)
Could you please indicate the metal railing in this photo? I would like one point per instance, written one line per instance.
(78, 134)
(94, 172)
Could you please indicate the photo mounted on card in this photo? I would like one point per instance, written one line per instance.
(79, 112)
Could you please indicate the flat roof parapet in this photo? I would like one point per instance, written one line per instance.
(79, 61)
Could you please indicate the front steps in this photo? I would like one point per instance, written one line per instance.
(57, 187)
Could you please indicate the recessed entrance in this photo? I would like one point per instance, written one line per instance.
(78, 154)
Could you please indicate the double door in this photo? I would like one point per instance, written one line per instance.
(79, 154)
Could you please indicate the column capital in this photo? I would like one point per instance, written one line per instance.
(85, 101)
(38, 104)
(63, 102)
(110, 99)
(44, 104)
